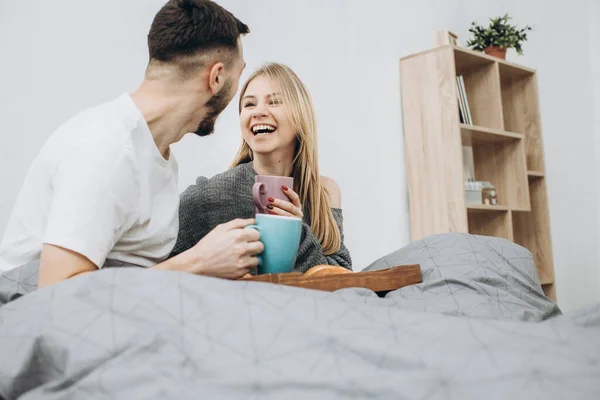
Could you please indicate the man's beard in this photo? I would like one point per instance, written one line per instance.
(214, 106)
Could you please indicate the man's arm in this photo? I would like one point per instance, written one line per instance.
(58, 264)
(228, 251)
(95, 187)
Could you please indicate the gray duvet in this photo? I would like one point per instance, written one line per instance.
(478, 327)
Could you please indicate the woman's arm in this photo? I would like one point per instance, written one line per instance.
(310, 252)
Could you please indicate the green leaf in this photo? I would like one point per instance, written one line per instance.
(498, 33)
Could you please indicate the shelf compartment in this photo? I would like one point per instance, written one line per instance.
(482, 85)
(509, 70)
(502, 163)
(521, 113)
(532, 230)
(490, 222)
(477, 57)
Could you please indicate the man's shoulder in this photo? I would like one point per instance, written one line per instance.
(105, 127)
(112, 118)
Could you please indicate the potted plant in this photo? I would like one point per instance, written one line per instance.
(497, 37)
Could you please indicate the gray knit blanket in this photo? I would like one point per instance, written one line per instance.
(228, 196)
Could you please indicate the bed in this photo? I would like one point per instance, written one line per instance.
(477, 327)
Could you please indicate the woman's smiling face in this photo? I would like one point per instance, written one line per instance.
(264, 118)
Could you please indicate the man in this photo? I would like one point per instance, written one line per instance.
(103, 189)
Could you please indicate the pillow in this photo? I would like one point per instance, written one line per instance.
(471, 275)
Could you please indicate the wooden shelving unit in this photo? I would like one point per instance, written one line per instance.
(506, 139)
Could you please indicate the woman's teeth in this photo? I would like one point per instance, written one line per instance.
(260, 130)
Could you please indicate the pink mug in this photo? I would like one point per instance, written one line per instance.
(266, 186)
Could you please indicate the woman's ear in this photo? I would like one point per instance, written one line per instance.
(216, 78)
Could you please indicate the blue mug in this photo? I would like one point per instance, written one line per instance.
(281, 238)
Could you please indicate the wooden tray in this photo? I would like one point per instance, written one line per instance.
(378, 281)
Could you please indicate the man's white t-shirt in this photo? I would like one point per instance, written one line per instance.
(99, 187)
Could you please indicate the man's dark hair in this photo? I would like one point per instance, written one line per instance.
(186, 28)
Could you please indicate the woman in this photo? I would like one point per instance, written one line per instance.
(279, 137)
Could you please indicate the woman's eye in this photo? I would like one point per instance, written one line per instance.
(276, 101)
(249, 104)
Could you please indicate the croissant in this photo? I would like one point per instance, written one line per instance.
(325, 270)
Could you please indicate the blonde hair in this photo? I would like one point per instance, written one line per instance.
(307, 178)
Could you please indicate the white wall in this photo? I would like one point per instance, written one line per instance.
(567, 111)
(69, 54)
(594, 21)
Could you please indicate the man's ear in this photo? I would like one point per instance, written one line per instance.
(216, 77)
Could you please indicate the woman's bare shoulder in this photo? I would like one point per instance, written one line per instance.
(333, 189)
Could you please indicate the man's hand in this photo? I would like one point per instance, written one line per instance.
(58, 264)
(228, 251)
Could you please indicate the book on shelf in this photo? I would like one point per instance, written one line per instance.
(463, 103)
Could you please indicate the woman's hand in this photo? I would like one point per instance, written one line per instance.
(285, 208)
